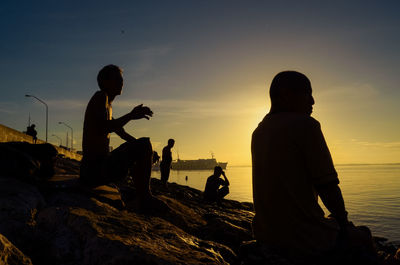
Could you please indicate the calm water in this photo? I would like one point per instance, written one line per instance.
(371, 193)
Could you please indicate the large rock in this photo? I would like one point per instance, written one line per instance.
(19, 204)
(59, 222)
(110, 236)
(10, 255)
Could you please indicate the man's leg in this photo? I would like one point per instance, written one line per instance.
(135, 157)
(355, 246)
(163, 174)
(142, 168)
(222, 192)
(167, 171)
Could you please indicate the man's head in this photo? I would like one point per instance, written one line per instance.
(217, 171)
(110, 80)
(171, 143)
(291, 91)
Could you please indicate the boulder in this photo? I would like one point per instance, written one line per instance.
(19, 205)
(11, 255)
(60, 222)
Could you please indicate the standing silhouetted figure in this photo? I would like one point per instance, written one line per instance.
(165, 165)
(30, 130)
(213, 192)
(99, 166)
(292, 166)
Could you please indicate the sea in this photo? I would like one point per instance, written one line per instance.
(371, 192)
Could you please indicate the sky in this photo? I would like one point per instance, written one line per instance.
(204, 68)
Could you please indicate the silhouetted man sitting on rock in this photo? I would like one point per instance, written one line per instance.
(99, 166)
(212, 192)
(30, 130)
(292, 166)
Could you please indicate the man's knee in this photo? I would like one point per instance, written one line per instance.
(145, 146)
(223, 192)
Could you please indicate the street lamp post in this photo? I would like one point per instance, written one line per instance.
(58, 138)
(47, 111)
(72, 134)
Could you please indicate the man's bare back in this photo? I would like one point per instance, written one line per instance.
(99, 166)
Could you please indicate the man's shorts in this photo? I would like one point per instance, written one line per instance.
(114, 166)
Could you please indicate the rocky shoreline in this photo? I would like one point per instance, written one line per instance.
(57, 223)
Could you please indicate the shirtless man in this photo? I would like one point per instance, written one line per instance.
(99, 166)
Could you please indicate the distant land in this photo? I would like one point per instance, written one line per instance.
(343, 164)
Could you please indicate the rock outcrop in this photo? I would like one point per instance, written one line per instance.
(56, 222)
(10, 255)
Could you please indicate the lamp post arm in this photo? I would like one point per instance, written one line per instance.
(47, 111)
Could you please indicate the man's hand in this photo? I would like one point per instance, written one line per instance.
(140, 112)
(332, 198)
(226, 179)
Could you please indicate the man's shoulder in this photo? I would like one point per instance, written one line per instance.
(99, 96)
(288, 119)
(166, 149)
(98, 100)
(278, 123)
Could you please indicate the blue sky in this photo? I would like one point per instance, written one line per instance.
(204, 67)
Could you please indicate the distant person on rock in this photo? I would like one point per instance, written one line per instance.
(30, 130)
(99, 166)
(292, 166)
(213, 192)
(165, 165)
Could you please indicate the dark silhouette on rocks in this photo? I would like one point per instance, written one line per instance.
(165, 165)
(99, 166)
(292, 166)
(33, 162)
(30, 130)
(212, 191)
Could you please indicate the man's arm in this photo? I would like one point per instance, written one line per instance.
(226, 179)
(124, 135)
(322, 171)
(139, 112)
(332, 198)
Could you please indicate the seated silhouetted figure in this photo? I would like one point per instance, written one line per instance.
(213, 192)
(292, 166)
(30, 130)
(99, 166)
(165, 165)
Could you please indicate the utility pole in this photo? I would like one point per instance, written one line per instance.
(72, 134)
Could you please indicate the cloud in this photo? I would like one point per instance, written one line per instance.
(196, 108)
(391, 145)
(66, 104)
(8, 107)
(352, 92)
(143, 59)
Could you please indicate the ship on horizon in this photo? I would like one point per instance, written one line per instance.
(197, 164)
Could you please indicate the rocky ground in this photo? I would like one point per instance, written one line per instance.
(54, 222)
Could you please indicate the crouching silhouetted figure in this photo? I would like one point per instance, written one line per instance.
(213, 192)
